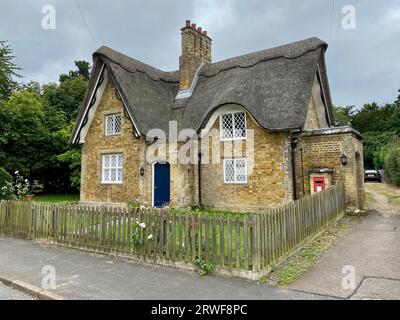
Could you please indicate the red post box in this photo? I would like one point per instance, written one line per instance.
(319, 184)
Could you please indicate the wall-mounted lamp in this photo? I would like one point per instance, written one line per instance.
(141, 171)
(343, 159)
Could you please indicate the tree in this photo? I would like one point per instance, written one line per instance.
(68, 95)
(71, 157)
(36, 122)
(8, 71)
(31, 86)
(83, 71)
(343, 115)
(375, 145)
(392, 164)
(23, 134)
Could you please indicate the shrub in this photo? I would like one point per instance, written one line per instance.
(392, 164)
(5, 179)
(19, 187)
(205, 266)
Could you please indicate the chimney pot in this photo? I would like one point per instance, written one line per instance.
(187, 23)
(194, 26)
(205, 33)
(199, 29)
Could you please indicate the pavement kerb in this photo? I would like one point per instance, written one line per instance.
(30, 289)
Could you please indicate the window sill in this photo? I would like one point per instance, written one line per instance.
(236, 183)
(112, 183)
(112, 135)
(232, 139)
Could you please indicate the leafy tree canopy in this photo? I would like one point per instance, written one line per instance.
(36, 122)
(8, 71)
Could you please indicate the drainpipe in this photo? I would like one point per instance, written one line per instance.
(199, 176)
(293, 145)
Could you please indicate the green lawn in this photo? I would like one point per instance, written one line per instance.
(57, 198)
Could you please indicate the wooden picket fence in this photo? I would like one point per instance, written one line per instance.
(241, 242)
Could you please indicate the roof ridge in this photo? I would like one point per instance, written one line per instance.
(291, 50)
(132, 65)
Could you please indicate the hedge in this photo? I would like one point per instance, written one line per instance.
(392, 164)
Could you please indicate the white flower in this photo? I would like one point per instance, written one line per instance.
(150, 237)
(16, 172)
(26, 180)
(142, 225)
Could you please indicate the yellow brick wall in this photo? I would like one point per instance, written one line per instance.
(324, 151)
(134, 186)
(268, 184)
(96, 144)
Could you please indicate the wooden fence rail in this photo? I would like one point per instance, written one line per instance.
(248, 242)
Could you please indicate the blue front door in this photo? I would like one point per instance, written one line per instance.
(161, 184)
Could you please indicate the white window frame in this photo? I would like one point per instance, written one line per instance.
(233, 126)
(112, 117)
(110, 168)
(235, 160)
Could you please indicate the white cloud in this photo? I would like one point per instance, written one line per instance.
(214, 15)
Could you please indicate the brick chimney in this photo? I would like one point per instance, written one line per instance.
(196, 49)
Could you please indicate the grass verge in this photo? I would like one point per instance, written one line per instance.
(369, 197)
(390, 191)
(296, 265)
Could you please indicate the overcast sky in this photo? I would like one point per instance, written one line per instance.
(363, 63)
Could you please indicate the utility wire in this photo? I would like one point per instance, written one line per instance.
(85, 23)
(331, 21)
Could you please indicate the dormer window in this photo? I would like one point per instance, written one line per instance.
(233, 126)
(113, 124)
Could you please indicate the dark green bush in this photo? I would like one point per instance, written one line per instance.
(392, 164)
(4, 176)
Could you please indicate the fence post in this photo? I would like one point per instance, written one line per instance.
(254, 237)
(102, 224)
(34, 213)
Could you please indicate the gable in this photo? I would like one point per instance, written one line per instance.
(88, 111)
(317, 113)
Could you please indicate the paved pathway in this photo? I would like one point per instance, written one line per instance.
(372, 247)
(80, 275)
